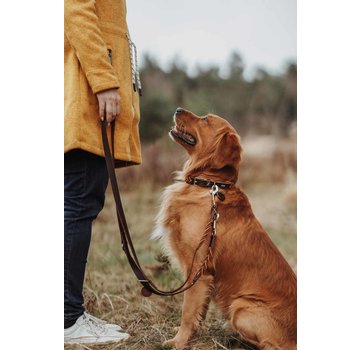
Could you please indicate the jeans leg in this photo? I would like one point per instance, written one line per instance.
(85, 181)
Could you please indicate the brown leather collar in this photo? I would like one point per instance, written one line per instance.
(207, 183)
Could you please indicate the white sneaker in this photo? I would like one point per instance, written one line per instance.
(87, 331)
(112, 326)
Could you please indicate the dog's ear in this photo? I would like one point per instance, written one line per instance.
(228, 152)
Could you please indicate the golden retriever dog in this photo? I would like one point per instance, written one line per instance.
(247, 277)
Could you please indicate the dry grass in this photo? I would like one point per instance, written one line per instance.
(113, 293)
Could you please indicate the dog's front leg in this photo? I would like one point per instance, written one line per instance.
(194, 309)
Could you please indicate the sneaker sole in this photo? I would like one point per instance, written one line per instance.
(75, 342)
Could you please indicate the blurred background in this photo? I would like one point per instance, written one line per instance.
(236, 59)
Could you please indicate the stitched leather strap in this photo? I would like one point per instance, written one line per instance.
(207, 183)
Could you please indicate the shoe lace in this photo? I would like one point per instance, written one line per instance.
(93, 326)
(99, 321)
(95, 319)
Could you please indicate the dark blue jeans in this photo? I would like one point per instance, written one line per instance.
(85, 182)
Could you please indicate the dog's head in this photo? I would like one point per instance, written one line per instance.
(211, 142)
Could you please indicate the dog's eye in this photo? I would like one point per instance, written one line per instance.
(205, 119)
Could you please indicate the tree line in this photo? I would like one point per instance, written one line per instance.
(264, 105)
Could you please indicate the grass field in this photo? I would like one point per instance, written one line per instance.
(113, 293)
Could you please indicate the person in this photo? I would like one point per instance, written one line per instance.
(101, 81)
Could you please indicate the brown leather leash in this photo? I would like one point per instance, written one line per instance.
(148, 286)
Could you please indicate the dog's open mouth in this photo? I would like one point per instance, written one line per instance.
(183, 136)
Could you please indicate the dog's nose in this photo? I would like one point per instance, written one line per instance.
(179, 110)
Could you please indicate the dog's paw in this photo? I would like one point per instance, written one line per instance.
(174, 343)
(169, 344)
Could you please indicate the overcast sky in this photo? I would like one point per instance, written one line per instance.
(206, 31)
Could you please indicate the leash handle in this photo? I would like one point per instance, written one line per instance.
(148, 286)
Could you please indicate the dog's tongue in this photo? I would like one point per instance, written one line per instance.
(185, 135)
(188, 137)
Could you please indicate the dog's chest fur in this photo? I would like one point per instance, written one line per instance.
(182, 218)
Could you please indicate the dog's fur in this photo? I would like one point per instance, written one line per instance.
(253, 284)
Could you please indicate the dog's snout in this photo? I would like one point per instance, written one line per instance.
(179, 110)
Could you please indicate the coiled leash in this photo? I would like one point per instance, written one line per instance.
(148, 286)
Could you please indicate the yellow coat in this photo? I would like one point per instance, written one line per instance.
(92, 28)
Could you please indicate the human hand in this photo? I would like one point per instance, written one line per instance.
(109, 101)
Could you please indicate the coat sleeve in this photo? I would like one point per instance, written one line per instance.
(83, 32)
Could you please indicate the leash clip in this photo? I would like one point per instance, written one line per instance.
(214, 190)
